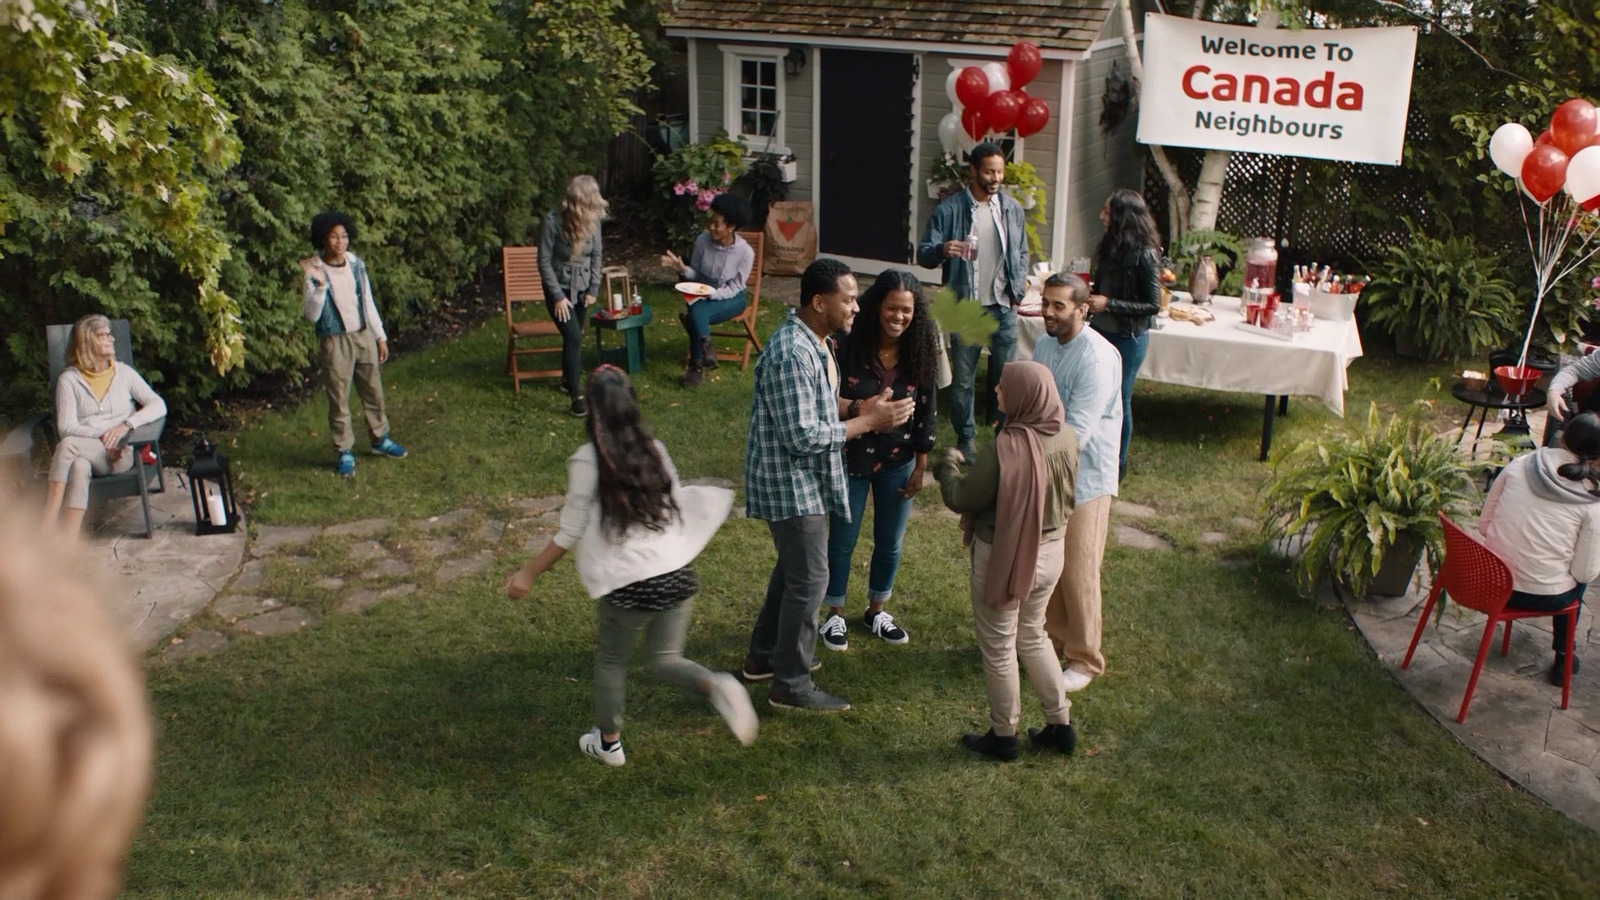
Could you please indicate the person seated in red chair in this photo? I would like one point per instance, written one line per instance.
(721, 259)
(99, 402)
(1543, 518)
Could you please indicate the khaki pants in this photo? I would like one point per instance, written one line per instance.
(78, 458)
(1006, 635)
(347, 357)
(1073, 616)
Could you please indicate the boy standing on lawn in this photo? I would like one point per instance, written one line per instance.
(350, 335)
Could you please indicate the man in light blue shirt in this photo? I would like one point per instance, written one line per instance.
(1088, 372)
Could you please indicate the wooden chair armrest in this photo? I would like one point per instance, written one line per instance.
(19, 442)
(148, 433)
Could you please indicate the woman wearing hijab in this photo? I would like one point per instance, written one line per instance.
(1014, 502)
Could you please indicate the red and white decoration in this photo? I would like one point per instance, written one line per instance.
(1560, 172)
(990, 99)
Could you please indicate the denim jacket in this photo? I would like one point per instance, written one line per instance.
(566, 275)
(952, 221)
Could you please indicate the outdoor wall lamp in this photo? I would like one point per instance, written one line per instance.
(794, 61)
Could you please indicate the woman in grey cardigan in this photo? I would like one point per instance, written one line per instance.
(569, 264)
(99, 402)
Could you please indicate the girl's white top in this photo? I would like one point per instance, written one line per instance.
(606, 563)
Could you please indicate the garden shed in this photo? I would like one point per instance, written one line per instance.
(854, 91)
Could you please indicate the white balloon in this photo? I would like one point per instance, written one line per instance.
(999, 76)
(1510, 145)
(950, 88)
(1583, 174)
(950, 133)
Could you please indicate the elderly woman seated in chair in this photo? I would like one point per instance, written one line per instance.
(99, 402)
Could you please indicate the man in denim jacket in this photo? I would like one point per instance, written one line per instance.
(997, 278)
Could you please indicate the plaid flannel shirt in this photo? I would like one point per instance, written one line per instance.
(794, 465)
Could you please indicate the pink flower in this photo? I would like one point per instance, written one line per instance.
(691, 186)
(679, 188)
(1595, 283)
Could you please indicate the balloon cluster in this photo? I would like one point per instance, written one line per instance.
(1566, 155)
(990, 98)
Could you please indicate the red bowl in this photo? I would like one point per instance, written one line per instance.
(1516, 380)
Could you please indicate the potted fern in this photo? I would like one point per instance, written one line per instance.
(1442, 298)
(1367, 503)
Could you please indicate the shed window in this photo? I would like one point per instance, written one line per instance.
(754, 96)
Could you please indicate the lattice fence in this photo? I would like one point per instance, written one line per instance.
(1341, 214)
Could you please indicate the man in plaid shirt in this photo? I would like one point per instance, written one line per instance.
(794, 476)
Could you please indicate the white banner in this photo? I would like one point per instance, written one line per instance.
(1323, 93)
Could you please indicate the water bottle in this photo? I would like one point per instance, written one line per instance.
(970, 251)
(638, 303)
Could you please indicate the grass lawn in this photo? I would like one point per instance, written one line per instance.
(1244, 741)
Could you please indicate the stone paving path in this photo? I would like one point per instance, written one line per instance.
(1516, 723)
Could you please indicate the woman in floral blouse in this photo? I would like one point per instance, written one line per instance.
(893, 346)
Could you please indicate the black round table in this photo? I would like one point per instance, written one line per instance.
(1481, 400)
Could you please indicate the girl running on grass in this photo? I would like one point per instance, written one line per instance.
(637, 533)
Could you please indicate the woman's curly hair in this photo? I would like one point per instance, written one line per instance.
(919, 343)
(323, 222)
(635, 485)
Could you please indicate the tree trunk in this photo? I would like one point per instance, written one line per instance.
(1187, 211)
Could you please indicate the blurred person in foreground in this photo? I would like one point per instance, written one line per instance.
(75, 737)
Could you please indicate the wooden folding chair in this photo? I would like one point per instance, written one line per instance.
(523, 285)
(747, 319)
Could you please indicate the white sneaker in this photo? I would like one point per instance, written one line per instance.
(1075, 679)
(833, 633)
(732, 702)
(590, 745)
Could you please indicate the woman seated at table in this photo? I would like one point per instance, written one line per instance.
(99, 402)
(721, 259)
(1543, 518)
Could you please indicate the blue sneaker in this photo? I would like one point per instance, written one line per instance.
(387, 447)
(347, 463)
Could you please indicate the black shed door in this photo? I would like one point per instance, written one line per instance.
(864, 199)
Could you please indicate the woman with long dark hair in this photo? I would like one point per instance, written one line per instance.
(570, 253)
(893, 346)
(1127, 283)
(637, 533)
(1543, 518)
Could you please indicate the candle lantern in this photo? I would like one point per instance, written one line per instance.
(619, 290)
(211, 489)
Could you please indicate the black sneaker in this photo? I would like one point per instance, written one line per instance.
(882, 624)
(834, 633)
(579, 408)
(1558, 669)
(754, 671)
(692, 377)
(818, 700)
(709, 359)
(1005, 749)
(1060, 738)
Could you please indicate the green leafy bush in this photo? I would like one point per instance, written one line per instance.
(1024, 184)
(445, 128)
(1446, 295)
(1354, 496)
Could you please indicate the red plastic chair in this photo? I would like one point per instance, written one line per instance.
(1479, 579)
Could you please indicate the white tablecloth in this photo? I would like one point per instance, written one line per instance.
(1221, 357)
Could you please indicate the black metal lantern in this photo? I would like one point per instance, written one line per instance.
(211, 489)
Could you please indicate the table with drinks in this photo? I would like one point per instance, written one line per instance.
(1255, 343)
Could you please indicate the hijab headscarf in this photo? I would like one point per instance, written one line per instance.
(1033, 408)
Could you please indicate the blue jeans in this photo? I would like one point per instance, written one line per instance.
(890, 512)
(964, 371)
(703, 314)
(1133, 350)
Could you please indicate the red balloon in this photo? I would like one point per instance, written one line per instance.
(1545, 137)
(1003, 109)
(972, 87)
(1544, 171)
(1023, 62)
(975, 121)
(1572, 125)
(1034, 116)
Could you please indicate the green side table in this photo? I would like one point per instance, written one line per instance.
(631, 329)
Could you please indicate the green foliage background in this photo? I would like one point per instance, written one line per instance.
(445, 127)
